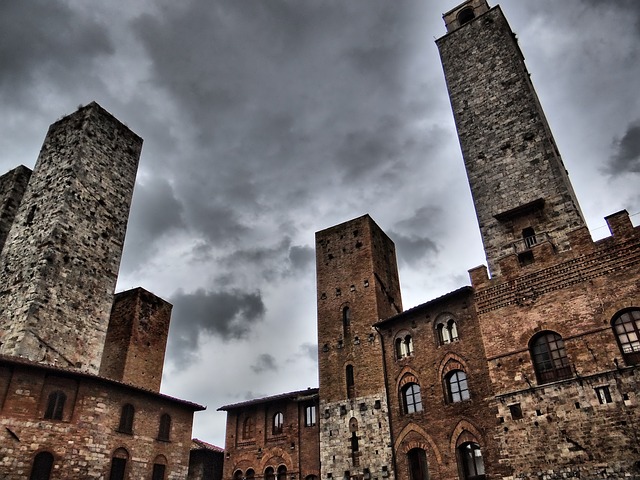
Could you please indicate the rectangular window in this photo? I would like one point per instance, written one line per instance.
(516, 411)
(603, 394)
(158, 472)
(310, 416)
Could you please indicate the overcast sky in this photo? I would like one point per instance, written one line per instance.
(265, 121)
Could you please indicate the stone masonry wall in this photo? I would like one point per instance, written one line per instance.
(59, 265)
(368, 418)
(12, 187)
(515, 172)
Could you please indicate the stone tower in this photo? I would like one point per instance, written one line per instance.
(59, 264)
(519, 184)
(137, 339)
(357, 282)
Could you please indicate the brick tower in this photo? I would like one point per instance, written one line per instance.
(59, 264)
(357, 282)
(519, 184)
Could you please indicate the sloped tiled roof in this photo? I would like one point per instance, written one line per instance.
(197, 444)
(297, 395)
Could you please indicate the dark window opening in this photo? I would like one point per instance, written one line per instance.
(164, 431)
(118, 464)
(269, 474)
(158, 471)
(418, 468)
(346, 320)
(412, 398)
(251, 474)
(529, 237)
(466, 15)
(351, 386)
(55, 405)
(457, 386)
(550, 358)
(516, 411)
(526, 258)
(278, 422)
(472, 464)
(626, 326)
(126, 419)
(282, 472)
(42, 465)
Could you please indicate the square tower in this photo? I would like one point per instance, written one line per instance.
(519, 184)
(358, 285)
(60, 261)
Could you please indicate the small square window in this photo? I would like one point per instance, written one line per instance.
(516, 411)
(603, 394)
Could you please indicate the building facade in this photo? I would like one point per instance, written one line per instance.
(530, 372)
(80, 367)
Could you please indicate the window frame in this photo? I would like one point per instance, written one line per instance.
(248, 428)
(350, 381)
(452, 379)
(403, 345)
(549, 357)
(411, 399)
(620, 323)
(277, 423)
(447, 330)
(417, 461)
(310, 416)
(120, 457)
(469, 463)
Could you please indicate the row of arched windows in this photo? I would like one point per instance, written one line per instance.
(43, 465)
(469, 458)
(126, 423)
(456, 387)
(269, 474)
(446, 332)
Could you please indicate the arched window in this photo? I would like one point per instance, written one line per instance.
(418, 469)
(159, 468)
(237, 475)
(126, 418)
(248, 428)
(626, 326)
(164, 432)
(310, 477)
(282, 472)
(269, 474)
(55, 405)
(471, 463)
(278, 421)
(42, 464)
(549, 357)
(411, 398)
(447, 330)
(351, 385)
(457, 388)
(346, 320)
(466, 15)
(118, 464)
(404, 346)
(251, 475)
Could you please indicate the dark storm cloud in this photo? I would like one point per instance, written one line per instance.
(626, 156)
(411, 249)
(629, 7)
(301, 257)
(155, 212)
(58, 49)
(227, 315)
(264, 362)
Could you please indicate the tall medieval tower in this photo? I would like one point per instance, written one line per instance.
(59, 264)
(519, 184)
(357, 282)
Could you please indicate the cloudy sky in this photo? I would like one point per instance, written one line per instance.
(265, 121)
